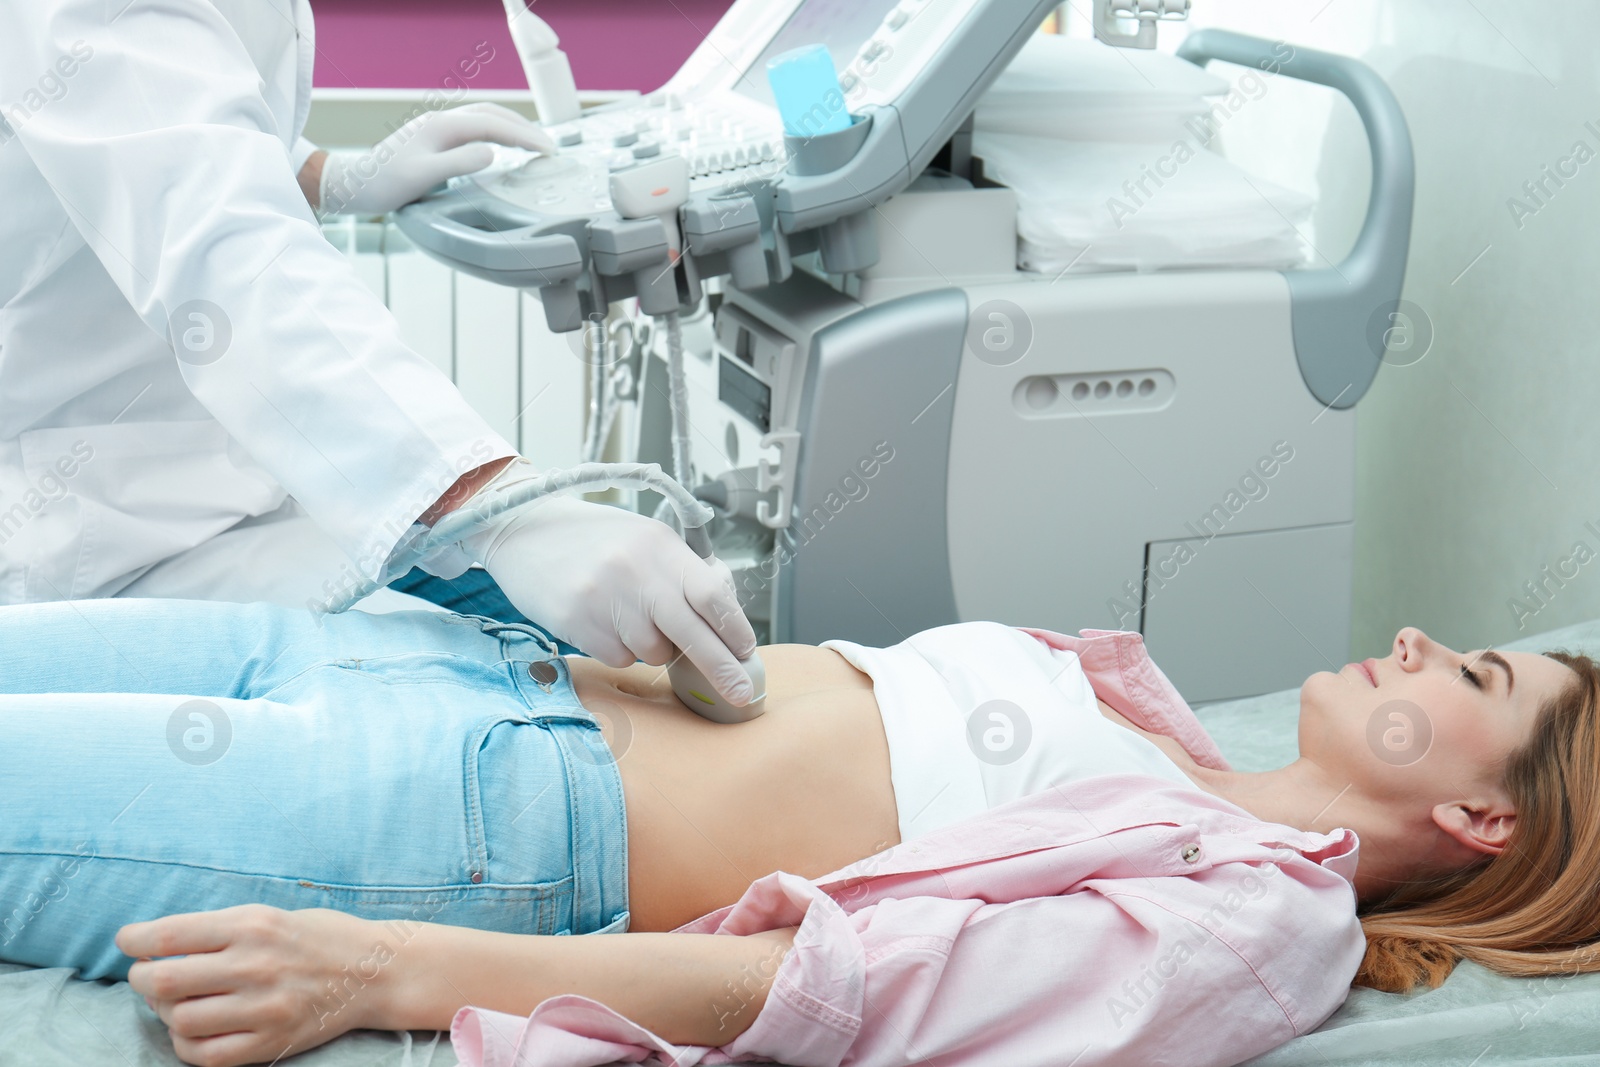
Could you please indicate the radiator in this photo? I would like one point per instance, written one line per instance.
(491, 341)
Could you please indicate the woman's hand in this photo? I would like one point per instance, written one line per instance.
(252, 983)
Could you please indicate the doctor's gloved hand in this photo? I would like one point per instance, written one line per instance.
(621, 587)
(427, 150)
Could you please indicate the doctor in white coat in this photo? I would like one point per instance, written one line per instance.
(198, 398)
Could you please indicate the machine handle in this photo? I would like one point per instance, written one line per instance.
(516, 248)
(1386, 233)
(532, 254)
(1334, 306)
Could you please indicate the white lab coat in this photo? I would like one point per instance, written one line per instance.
(148, 161)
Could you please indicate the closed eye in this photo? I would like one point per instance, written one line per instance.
(1471, 676)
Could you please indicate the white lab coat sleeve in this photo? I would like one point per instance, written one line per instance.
(165, 155)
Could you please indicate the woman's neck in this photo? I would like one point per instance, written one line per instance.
(1304, 796)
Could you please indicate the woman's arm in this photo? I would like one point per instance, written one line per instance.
(689, 989)
(253, 983)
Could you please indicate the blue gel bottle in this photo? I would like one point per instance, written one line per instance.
(806, 89)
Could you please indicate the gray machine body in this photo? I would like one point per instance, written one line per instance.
(873, 446)
(1200, 490)
(1213, 512)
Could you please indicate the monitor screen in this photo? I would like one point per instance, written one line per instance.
(842, 25)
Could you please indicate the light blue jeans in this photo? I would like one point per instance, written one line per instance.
(173, 756)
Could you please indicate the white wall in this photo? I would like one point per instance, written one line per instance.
(1476, 466)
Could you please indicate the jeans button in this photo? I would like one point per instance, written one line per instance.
(543, 672)
(477, 876)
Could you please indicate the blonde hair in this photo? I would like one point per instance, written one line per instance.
(1534, 909)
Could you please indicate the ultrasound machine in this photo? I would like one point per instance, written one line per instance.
(896, 427)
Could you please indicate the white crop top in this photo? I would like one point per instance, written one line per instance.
(979, 713)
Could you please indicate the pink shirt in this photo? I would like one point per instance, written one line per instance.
(1119, 919)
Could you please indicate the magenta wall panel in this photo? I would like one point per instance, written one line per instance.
(418, 44)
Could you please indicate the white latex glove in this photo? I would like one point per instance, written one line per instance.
(621, 587)
(427, 150)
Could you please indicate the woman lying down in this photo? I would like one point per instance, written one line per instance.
(985, 845)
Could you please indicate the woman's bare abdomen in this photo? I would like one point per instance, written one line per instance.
(804, 788)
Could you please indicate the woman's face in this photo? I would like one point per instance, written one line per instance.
(1425, 723)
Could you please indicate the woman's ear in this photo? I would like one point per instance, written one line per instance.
(1477, 825)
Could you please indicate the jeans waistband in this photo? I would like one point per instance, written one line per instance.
(597, 810)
